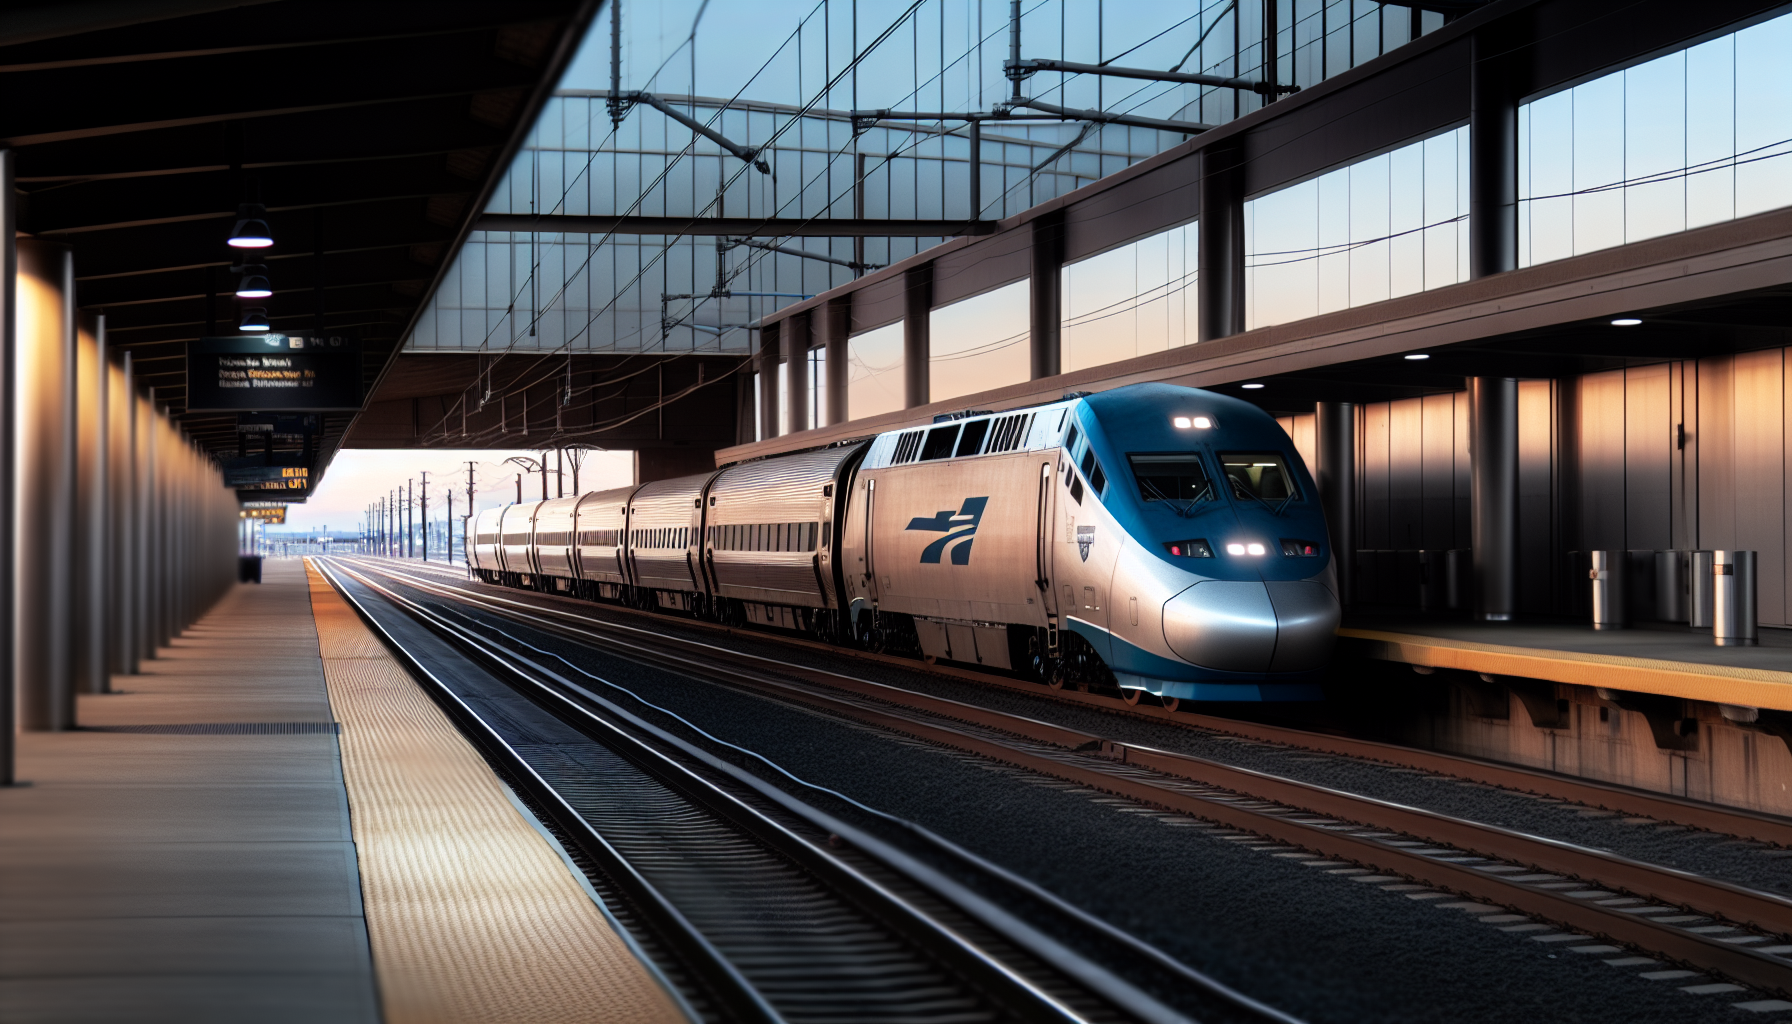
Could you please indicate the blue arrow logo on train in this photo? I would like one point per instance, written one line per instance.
(959, 528)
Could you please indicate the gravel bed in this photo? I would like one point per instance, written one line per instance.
(1306, 939)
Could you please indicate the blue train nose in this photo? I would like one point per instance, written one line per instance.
(1284, 626)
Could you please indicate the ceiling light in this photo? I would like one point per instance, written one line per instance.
(1418, 355)
(1250, 387)
(254, 284)
(251, 231)
(1626, 321)
(254, 319)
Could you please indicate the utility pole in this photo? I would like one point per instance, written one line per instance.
(466, 529)
(424, 508)
(519, 488)
(449, 524)
(544, 476)
(410, 518)
(559, 472)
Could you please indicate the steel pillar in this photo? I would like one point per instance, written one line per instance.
(1493, 495)
(89, 556)
(46, 482)
(836, 324)
(123, 464)
(1335, 471)
(1220, 250)
(793, 345)
(1493, 158)
(9, 367)
(768, 382)
(1045, 305)
(917, 343)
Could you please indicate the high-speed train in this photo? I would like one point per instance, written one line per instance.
(1153, 538)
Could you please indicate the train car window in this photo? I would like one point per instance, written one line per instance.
(939, 442)
(827, 534)
(1171, 477)
(1070, 438)
(1076, 488)
(971, 441)
(906, 447)
(1092, 469)
(1260, 475)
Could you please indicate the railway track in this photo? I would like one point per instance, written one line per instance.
(771, 905)
(1710, 924)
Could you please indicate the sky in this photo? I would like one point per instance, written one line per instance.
(359, 476)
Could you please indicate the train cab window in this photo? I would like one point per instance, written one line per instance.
(1260, 475)
(1098, 481)
(939, 442)
(1070, 440)
(1172, 477)
(971, 441)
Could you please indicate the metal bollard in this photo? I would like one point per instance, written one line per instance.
(1698, 594)
(1670, 586)
(1607, 575)
(1733, 599)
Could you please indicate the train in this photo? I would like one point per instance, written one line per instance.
(1150, 539)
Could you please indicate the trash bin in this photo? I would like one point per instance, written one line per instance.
(1698, 589)
(1607, 574)
(1733, 599)
(1670, 586)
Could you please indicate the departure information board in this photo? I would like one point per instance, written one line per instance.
(274, 373)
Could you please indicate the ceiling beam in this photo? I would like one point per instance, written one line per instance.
(745, 227)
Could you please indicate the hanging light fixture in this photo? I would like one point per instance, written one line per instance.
(254, 284)
(251, 231)
(254, 319)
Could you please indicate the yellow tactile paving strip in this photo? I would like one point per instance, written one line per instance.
(472, 916)
(1722, 684)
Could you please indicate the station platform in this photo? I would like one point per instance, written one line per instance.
(1662, 659)
(272, 822)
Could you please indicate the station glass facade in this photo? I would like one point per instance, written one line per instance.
(1131, 300)
(1696, 137)
(1375, 229)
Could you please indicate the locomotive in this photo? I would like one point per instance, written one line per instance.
(1152, 538)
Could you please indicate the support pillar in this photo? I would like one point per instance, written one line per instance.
(1045, 308)
(917, 345)
(793, 344)
(1335, 470)
(1493, 495)
(1493, 157)
(122, 396)
(836, 324)
(1220, 251)
(89, 548)
(768, 381)
(46, 483)
(9, 367)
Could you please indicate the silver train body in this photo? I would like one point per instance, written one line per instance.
(1149, 538)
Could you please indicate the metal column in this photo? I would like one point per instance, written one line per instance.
(768, 382)
(9, 367)
(123, 451)
(89, 546)
(1493, 157)
(1045, 316)
(917, 344)
(793, 344)
(1334, 449)
(46, 482)
(1493, 490)
(1220, 251)
(836, 321)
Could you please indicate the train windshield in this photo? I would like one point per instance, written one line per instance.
(1260, 475)
(1175, 477)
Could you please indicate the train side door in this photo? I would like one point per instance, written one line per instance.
(1044, 526)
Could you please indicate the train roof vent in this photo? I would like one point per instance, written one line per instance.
(1009, 432)
(906, 448)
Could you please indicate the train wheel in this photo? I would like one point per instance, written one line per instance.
(1131, 696)
(1171, 703)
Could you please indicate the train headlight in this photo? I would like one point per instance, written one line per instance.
(1252, 548)
(1191, 422)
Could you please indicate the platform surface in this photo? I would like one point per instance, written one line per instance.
(1670, 660)
(186, 856)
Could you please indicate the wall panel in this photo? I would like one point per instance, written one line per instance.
(1406, 473)
(1758, 432)
(1601, 432)
(1438, 530)
(1373, 532)
(1648, 447)
(1537, 538)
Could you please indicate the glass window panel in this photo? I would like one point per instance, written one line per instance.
(980, 343)
(1260, 475)
(1711, 132)
(874, 376)
(1548, 159)
(1763, 117)
(1406, 220)
(1655, 148)
(1370, 220)
(1598, 164)
(1129, 301)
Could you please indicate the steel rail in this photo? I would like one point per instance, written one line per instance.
(1767, 911)
(996, 980)
(999, 919)
(1737, 821)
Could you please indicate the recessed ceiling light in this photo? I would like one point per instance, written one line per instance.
(1251, 386)
(1626, 321)
(1418, 355)
(254, 319)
